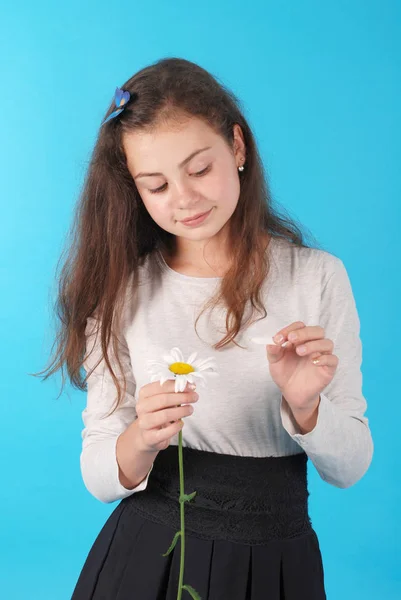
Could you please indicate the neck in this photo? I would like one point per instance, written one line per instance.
(200, 259)
(208, 256)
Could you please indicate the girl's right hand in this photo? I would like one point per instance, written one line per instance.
(159, 410)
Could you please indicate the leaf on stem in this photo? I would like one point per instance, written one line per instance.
(173, 543)
(193, 592)
(187, 497)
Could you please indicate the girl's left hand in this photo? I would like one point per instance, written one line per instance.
(300, 380)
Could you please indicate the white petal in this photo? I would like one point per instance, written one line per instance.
(169, 358)
(197, 375)
(177, 354)
(155, 369)
(207, 364)
(201, 361)
(178, 384)
(162, 372)
(198, 364)
(184, 380)
(166, 371)
(201, 377)
(154, 362)
(192, 358)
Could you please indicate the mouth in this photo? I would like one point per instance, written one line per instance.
(200, 217)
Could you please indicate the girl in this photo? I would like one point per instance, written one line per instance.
(175, 213)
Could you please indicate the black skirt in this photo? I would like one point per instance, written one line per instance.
(248, 534)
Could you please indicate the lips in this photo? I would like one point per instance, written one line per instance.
(194, 217)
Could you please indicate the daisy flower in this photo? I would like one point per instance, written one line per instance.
(173, 366)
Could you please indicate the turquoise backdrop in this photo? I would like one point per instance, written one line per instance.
(320, 84)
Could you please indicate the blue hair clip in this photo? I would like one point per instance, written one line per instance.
(120, 98)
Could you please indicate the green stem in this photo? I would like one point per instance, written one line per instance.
(182, 537)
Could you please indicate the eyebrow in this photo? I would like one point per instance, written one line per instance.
(182, 164)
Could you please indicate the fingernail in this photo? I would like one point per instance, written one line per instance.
(278, 338)
(191, 386)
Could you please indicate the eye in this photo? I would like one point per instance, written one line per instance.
(205, 170)
(158, 190)
(163, 187)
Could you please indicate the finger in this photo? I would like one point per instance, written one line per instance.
(165, 432)
(274, 353)
(302, 331)
(326, 360)
(154, 420)
(310, 332)
(160, 402)
(283, 333)
(316, 346)
(154, 388)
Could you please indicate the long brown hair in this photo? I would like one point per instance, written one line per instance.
(112, 231)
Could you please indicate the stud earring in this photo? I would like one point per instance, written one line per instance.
(241, 168)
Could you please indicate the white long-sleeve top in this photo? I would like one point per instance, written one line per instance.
(242, 411)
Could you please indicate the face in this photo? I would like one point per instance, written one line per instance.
(183, 170)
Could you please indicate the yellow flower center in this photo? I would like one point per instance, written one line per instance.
(181, 368)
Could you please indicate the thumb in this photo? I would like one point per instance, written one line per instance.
(274, 353)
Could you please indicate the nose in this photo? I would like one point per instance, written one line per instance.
(185, 197)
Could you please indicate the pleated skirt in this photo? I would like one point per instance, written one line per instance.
(248, 533)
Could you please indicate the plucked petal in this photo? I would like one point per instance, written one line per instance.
(264, 340)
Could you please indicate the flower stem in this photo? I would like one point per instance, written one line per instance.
(182, 537)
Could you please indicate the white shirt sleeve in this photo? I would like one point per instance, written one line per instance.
(340, 445)
(98, 460)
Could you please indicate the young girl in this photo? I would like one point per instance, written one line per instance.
(148, 274)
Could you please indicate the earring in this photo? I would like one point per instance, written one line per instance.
(241, 168)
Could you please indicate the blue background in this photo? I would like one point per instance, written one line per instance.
(320, 84)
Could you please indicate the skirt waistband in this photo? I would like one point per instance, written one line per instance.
(238, 498)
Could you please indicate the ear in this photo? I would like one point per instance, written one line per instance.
(239, 143)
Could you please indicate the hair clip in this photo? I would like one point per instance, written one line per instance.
(120, 98)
